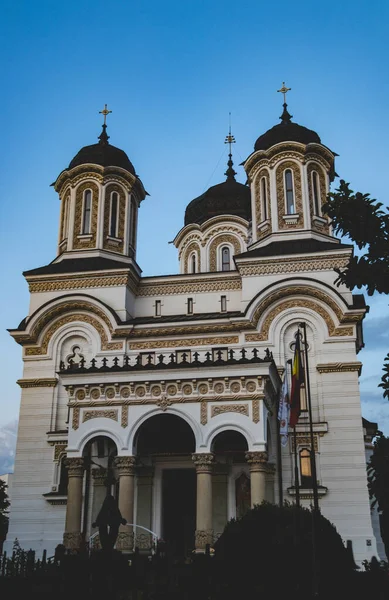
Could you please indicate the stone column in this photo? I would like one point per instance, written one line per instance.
(270, 481)
(204, 531)
(258, 468)
(125, 466)
(72, 535)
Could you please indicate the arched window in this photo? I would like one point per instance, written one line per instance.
(290, 210)
(65, 218)
(225, 258)
(193, 263)
(263, 199)
(113, 222)
(316, 192)
(87, 212)
(305, 468)
(132, 222)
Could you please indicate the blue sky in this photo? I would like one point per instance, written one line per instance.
(171, 72)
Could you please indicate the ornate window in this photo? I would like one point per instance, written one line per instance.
(193, 263)
(132, 222)
(226, 266)
(113, 219)
(158, 306)
(263, 199)
(86, 217)
(316, 192)
(289, 192)
(190, 306)
(223, 303)
(305, 468)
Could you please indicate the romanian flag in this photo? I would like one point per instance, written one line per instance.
(297, 380)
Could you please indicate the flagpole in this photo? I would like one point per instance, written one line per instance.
(279, 468)
(296, 470)
(313, 455)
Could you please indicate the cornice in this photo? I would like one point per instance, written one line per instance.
(72, 282)
(296, 265)
(340, 367)
(190, 285)
(36, 383)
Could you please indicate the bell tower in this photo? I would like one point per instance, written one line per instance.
(100, 194)
(290, 172)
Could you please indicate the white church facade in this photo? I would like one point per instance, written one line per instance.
(163, 389)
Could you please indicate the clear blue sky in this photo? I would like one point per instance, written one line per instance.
(171, 72)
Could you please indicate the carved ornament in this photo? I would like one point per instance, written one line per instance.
(203, 413)
(305, 440)
(297, 265)
(257, 461)
(77, 283)
(298, 198)
(99, 414)
(192, 286)
(340, 367)
(203, 462)
(125, 465)
(75, 467)
(59, 449)
(35, 383)
(242, 409)
(76, 418)
(256, 411)
(183, 343)
(219, 241)
(72, 541)
(124, 418)
(203, 537)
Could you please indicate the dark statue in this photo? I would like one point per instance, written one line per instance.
(109, 517)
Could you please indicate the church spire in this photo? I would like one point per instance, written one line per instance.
(285, 117)
(104, 137)
(230, 140)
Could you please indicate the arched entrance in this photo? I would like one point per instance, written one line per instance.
(166, 498)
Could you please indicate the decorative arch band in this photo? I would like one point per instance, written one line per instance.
(192, 248)
(218, 241)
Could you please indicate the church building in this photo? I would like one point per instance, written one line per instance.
(163, 390)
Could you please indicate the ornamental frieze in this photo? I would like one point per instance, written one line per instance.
(213, 341)
(340, 367)
(297, 265)
(99, 414)
(242, 409)
(35, 383)
(194, 286)
(75, 283)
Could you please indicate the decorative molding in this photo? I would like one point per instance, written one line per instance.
(90, 242)
(36, 383)
(258, 203)
(124, 417)
(99, 414)
(59, 449)
(285, 150)
(113, 187)
(193, 247)
(164, 402)
(242, 409)
(76, 418)
(304, 439)
(298, 204)
(76, 283)
(255, 405)
(204, 462)
(257, 461)
(125, 465)
(203, 538)
(195, 286)
(183, 343)
(315, 224)
(203, 413)
(296, 265)
(339, 367)
(75, 467)
(218, 241)
(72, 541)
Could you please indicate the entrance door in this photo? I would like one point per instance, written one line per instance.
(179, 509)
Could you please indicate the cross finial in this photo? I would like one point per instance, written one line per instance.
(105, 112)
(284, 90)
(230, 140)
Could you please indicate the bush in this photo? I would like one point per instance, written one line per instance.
(269, 550)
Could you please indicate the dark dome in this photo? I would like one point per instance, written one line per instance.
(103, 154)
(228, 198)
(286, 131)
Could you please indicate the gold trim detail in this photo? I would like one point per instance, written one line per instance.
(76, 418)
(242, 409)
(305, 440)
(100, 414)
(258, 204)
(283, 266)
(118, 246)
(194, 286)
(124, 418)
(193, 247)
(333, 331)
(323, 195)
(256, 411)
(79, 243)
(281, 195)
(203, 413)
(339, 367)
(59, 449)
(218, 241)
(233, 339)
(76, 283)
(36, 383)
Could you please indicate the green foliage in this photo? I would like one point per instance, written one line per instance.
(378, 483)
(4, 504)
(362, 219)
(270, 549)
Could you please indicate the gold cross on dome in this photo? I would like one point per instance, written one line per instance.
(229, 138)
(284, 90)
(105, 112)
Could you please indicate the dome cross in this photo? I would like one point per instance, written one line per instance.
(105, 112)
(230, 140)
(284, 90)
